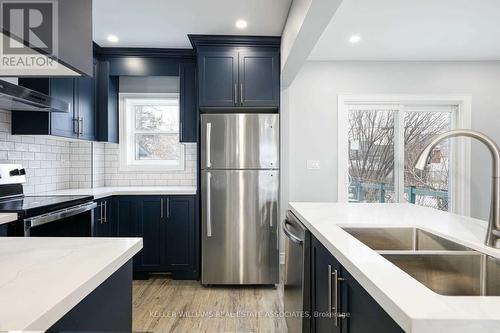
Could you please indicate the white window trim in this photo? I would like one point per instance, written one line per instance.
(126, 136)
(460, 181)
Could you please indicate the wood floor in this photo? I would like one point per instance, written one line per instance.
(164, 305)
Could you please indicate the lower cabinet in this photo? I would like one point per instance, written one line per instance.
(339, 303)
(167, 225)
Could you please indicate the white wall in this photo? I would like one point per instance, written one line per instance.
(312, 112)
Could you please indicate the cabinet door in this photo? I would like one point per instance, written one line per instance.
(63, 124)
(218, 77)
(86, 106)
(126, 217)
(188, 104)
(180, 232)
(323, 265)
(152, 219)
(366, 315)
(259, 82)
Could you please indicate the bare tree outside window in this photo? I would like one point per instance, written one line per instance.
(372, 162)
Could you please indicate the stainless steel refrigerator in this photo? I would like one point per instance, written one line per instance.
(240, 185)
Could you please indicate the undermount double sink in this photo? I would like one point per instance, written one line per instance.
(445, 267)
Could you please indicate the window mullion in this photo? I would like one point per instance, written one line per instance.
(399, 154)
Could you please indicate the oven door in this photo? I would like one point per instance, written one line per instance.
(76, 221)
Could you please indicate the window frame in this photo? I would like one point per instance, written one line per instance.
(460, 152)
(127, 138)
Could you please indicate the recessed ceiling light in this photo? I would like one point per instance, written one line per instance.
(354, 39)
(112, 39)
(241, 24)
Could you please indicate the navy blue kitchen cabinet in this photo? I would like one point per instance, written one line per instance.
(181, 237)
(151, 223)
(85, 101)
(259, 78)
(188, 103)
(104, 219)
(127, 217)
(332, 285)
(107, 88)
(48, 123)
(167, 225)
(218, 77)
(323, 266)
(238, 77)
(78, 123)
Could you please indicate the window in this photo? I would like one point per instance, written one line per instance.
(150, 132)
(382, 142)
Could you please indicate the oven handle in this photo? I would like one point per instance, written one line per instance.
(57, 215)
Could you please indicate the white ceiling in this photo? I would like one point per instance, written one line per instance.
(166, 23)
(412, 30)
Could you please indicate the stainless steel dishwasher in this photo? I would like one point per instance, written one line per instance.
(296, 276)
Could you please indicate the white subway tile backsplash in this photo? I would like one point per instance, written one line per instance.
(53, 163)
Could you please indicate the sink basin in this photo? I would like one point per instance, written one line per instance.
(453, 273)
(403, 239)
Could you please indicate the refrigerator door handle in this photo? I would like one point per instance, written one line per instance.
(209, 213)
(208, 144)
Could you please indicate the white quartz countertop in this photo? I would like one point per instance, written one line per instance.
(7, 217)
(412, 305)
(102, 192)
(41, 279)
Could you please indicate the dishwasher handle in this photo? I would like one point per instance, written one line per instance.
(289, 234)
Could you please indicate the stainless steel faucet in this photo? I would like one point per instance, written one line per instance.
(493, 233)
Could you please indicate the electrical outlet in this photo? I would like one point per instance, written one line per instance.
(313, 165)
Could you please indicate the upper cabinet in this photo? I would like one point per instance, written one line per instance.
(259, 78)
(218, 72)
(188, 103)
(238, 72)
(79, 123)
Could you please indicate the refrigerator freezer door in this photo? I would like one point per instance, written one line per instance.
(240, 141)
(239, 227)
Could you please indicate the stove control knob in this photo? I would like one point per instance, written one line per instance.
(14, 172)
(22, 172)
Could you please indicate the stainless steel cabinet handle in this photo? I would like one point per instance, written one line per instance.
(209, 218)
(337, 313)
(161, 208)
(168, 208)
(80, 129)
(208, 144)
(336, 297)
(241, 93)
(105, 212)
(100, 218)
(235, 93)
(330, 291)
(76, 125)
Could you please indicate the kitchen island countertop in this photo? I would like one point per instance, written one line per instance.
(42, 279)
(413, 306)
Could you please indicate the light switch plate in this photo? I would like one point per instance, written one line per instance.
(313, 165)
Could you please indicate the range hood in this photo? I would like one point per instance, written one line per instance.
(49, 38)
(17, 98)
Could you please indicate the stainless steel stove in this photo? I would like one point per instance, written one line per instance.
(42, 215)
